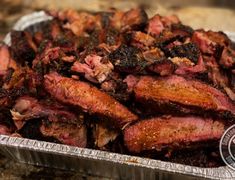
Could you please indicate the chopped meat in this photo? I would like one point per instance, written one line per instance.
(134, 19)
(116, 19)
(153, 55)
(131, 81)
(6, 123)
(170, 20)
(109, 85)
(130, 59)
(185, 66)
(27, 108)
(126, 59)
(140, 39)
(173, 132)
(94, 69)
(89, 98)
(182, 30)
(4, 59)
(218, 37)
(22, 46)
(4, 130)
(157, 23)
(189, 50)
(163, 67)
(103, 135)
(227, 59)
(80, 22)
(65, 133)
(204, 43)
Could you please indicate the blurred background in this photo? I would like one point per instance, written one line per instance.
(208, 14)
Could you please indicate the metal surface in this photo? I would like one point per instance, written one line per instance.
(101, 163)
(95, 162)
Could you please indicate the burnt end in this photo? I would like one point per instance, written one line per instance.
(143, 18)
(31, 130)
(182, 30)
(7, 97)
(203, 77)
(21, 49)
(6, 118)
(218, 51)
(126, 59)
(163, 42)
(111, 37)
(64, 42)
(105, 19)
(135, 19)
(219, 38)
(163, 67)
(189, 50)
(232, 81)
(45, 30)
(93, 40)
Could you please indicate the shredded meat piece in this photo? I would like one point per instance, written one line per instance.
(93, 68)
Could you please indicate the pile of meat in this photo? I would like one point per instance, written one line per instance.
(121, 82)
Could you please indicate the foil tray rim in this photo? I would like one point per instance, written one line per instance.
(66, 150)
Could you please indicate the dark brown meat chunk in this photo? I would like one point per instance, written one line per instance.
(173, 132)
(22, 46)
(89, 98)
(157, 24)
(127, 59)
(6, 123)
(139, 39)
(65, 133)
(27, 108)
(182, 30)
(163, 67)
(189, 50)
(130, 59)
(134, 19)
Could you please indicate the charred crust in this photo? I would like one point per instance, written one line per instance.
(189, 50)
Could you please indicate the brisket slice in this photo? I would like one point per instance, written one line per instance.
(172, 132)
(179, 95)
(88, 98)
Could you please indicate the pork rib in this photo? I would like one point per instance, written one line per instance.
(173, 132)
(88, 98)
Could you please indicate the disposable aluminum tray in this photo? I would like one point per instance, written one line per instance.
(95, 162)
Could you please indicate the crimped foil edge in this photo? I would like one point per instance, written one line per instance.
(53, 148)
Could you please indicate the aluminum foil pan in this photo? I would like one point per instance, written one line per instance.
(95, 162)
